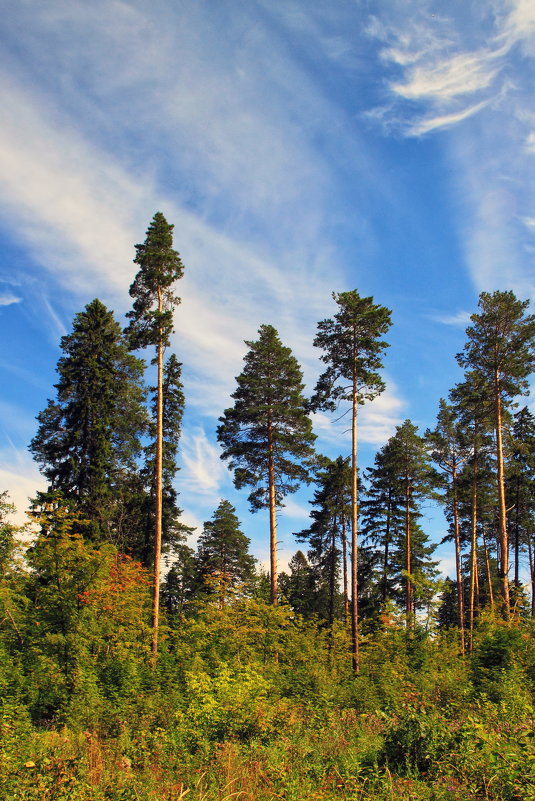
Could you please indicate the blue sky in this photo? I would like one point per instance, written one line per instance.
(300, 148)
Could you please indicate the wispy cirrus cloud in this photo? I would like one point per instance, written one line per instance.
(461, 318)
(8, 299)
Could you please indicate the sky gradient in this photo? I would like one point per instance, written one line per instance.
(299, 148)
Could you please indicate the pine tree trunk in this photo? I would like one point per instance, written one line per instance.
(408, 585)
(159, 497)
(517, 534)
(332, 573)
(272, 520)
(473, 553)
(354, 532)
(387, 547)
(458, 567)
(503, 541)
(532, 575)
(489, 576)
(344, 557)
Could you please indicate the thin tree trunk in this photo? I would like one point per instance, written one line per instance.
(272, 520)
(159, 496)
(384, 592)
(458, 566)
(489, 576)
(473, 554)
(408, 585)
(517, 534)
(354, 531)
(332, 573)
(344, 557)
(532, 576)
(504, 544)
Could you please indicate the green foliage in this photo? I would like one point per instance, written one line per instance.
(151, 319)
(268, 422)
(89, 437)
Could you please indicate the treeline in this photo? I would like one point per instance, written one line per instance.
(107, 445)
(357, 672)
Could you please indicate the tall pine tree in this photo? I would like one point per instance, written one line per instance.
(500, 347)
(353, 350)
(151, 324)
(267, 435)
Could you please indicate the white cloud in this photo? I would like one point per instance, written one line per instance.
(377, 420)
(427, 124)
(8, 299)
(294, 510)
(462, 318)
(203, 470)
(446, 79)
(21, 478)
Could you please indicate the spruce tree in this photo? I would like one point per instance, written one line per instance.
(383, 518)
(223, 558)
(326, 535)
(500, 348)
(89, 436)
(298, 587)
(267, 435)
(151, 324)
(353, 352)
(414, 481)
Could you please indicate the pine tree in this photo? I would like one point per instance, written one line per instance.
(474, 412)
(89, 437)
(449, 449)
(352, 350)
(520, 482)
(500, 348)
(223, 559)
(151, 323)
(267, 434)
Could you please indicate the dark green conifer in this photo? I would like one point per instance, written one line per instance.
(89, 437)
(223, 559)
(267, 434)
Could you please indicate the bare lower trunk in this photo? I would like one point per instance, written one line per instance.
(344, 557)
(458, 566)
(159, 501)
(503, 540)
(384, 592)
(272, 522)
(332, 574)
(532, 575)
(489, 575)
(473, 556)
(409, 603)
(354, 534)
